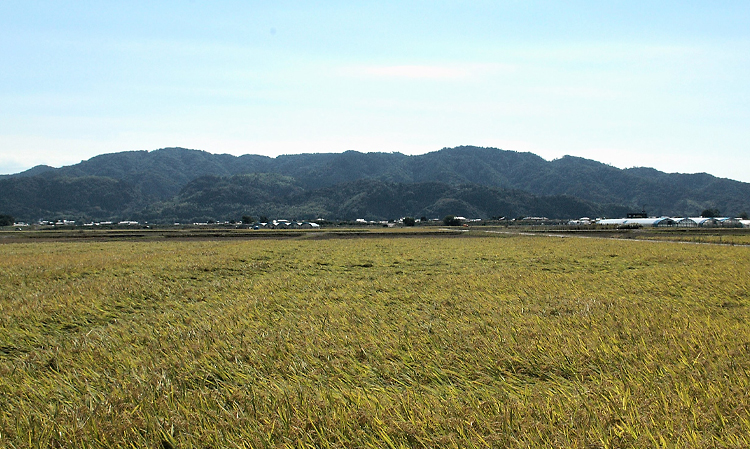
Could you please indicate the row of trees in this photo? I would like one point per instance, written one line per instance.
(248, 219)
(713, 213)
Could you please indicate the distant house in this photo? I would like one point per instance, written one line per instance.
(581, 221)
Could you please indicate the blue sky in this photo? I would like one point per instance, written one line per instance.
(659, 84)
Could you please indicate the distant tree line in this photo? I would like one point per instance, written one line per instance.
(7, 220)
(710, 213)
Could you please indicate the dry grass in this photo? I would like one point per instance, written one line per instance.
(436, 342)
(722, 237)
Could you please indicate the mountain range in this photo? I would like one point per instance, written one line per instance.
(177, 184)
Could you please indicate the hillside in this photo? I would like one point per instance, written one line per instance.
(278, 196)
(177, 183)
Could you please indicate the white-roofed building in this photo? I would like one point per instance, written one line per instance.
(645, 222)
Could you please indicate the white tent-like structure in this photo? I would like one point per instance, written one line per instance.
(728, 222)
(689, 222)
(705, 222)
(645, 222)
(685, 222)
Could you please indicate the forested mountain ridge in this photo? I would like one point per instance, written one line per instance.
(177, 183)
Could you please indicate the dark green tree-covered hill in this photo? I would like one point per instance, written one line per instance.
(177, 183)
(277, 196)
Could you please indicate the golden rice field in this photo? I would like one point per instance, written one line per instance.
(439, 342)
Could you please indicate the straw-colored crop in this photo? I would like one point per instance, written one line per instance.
(401, 342)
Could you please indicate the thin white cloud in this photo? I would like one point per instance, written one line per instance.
(423, 72)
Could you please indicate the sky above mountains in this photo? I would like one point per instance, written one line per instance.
(638, 83)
